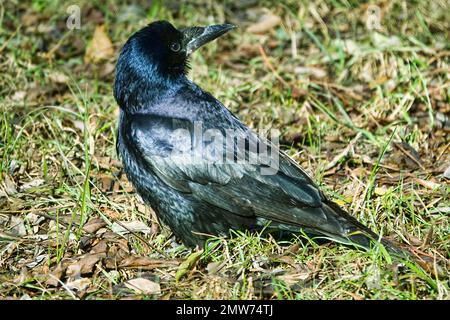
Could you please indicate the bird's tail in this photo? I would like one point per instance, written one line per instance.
(355, 233)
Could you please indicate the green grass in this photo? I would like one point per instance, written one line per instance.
(59, 169)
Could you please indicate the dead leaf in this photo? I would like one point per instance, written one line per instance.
(9, 186)
(37, 260)
(117, 252)
(427, 183)
(103, 162)
(107, 69)
(314, 72)
(294, 249)
(93, 225)
(34, 219)
(124, 227)
(293, 278)
(58, 77)
(100, 246)
(110, 213)
(447, 173)
(145, 263)
(22, 277)
(29, 18)
(100, 48)
(19, 96)
(415, 241)
(105, 182)
(143, 286)
(56, 274)
(80, 284)
(84, 265)
(18, 226)
(264, 24)
(30, 185)
(288, 260)
(216, 266)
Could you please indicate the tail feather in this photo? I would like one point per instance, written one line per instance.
(357, 233)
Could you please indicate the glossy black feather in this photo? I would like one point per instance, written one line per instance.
(206, 197)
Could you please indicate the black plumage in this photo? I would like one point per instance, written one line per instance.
(208, 196)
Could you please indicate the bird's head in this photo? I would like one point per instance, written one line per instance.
(159, 53)
(163, 47)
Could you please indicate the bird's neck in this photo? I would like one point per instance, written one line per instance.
(139, 88)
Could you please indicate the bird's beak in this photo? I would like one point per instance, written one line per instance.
(195, 37)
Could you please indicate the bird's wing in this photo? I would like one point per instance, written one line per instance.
(287, 197)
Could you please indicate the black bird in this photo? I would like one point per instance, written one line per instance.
(183, 177)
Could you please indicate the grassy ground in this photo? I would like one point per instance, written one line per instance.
(364, 110)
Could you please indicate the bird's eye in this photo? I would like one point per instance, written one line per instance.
(175, 47)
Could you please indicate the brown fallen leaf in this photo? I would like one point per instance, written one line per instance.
(427, 183)
(56, 274)
(124, 227)
(22, 277)
(107, 69)
(8, 186)
(314, 72)
(264, 24)
(447, 173)
(17, 227)
(103, 162)
(117, 252)
(293, 278)
(110, 213)
(288, 260)
(143, 286)
(145, 263)
(19, 96)
(58, 77)
(100, 48)
(415, 241)
(294, 249)
(30, 185)
(80, 284)
(29, 18)
(216, 266)
(105, 182)
(93, 225)
(99, 246)
(84, 265)
(431, 264)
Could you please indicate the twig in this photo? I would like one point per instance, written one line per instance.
(410, 156)
(5, 44)
(270, 66)
(344, 153)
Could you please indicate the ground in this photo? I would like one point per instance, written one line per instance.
(360, 93)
